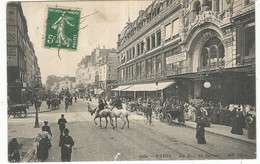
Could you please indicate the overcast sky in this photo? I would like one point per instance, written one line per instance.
(103, 29)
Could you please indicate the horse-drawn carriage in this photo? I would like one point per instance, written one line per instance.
(17, 110)
(176, 112)
(55, 103)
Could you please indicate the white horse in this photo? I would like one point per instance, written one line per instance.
(121, 113)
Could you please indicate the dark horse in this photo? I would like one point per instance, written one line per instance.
(17, 109)
(103, 113)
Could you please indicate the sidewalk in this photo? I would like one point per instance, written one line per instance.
(214, 129)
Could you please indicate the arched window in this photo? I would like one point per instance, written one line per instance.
(212, 54)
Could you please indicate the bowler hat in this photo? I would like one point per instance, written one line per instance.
(66, 130)
(45, 122)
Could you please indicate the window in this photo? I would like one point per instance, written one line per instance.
(148, 67)
(158, 64)
(153, 65)
(127, 55)
(250, 41)
(133, 51)
(137, 70)
(158, 38)
(142, 47)
(247, 2)
(148, 43)
(168, 31)
(130, 54)
(138, 49)
(153, 40)
(175, 27)
(142, 69)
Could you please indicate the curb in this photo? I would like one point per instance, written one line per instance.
(39, 112)
(216, 133)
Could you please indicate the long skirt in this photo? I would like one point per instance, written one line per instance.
(200, 135)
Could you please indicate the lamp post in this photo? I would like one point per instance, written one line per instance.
(37, 125)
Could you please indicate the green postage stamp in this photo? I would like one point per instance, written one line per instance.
(62, 28)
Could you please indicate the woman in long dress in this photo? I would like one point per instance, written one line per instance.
(200, 131)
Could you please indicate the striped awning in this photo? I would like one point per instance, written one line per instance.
(121, 87)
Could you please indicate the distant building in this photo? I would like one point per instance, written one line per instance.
(197, 49)
(96, 71)
(23, 73)
(67, 83)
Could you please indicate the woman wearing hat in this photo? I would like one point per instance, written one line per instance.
(200, 132)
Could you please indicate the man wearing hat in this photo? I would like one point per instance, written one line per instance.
(62, 121)
(46, 128)
(66, 144)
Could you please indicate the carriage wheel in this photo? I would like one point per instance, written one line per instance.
(161, 117)
(169, 118)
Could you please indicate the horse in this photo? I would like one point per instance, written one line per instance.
(103, 113)
(16, 110)
(121, 113)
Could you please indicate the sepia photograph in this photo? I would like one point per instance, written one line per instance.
(124, 80)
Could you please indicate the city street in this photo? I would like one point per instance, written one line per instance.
(141, 142)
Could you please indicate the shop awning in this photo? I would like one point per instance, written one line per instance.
(149, 87)
(121, 87)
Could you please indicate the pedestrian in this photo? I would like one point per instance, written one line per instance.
(66, 144)
(43, 147)
(251, 123)
(66, 104)
(236, 122)
(76, 98)
(13, 151)
(49, 103)
(46, 128)
(200, 131)
(62, 121)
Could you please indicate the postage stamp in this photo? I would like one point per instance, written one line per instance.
(62, 28)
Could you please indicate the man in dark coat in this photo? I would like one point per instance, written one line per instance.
(62, 121)
(66, 144)
(13, 151)
(101, 106)
(200, 131)
(148, 111)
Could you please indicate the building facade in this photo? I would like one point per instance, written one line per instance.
(190, 49)
(22, 69)
(96, 71)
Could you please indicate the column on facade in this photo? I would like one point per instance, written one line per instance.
(214, 5)
(220, 6)
(163, 66)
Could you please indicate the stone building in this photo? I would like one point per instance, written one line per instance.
(190, 49)
(23, 73)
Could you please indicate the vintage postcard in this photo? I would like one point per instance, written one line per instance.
(152, 80)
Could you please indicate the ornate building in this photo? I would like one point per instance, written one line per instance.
(190, 49)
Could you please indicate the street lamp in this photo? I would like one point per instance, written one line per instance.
(37, 125)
